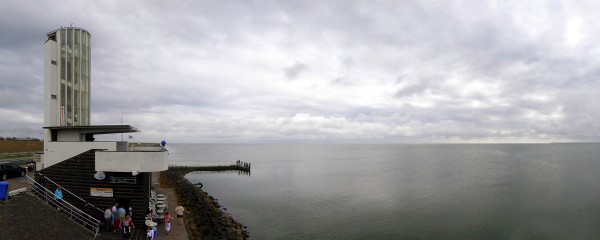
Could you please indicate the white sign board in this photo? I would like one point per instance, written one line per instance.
(101, 192)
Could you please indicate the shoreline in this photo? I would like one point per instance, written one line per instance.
(204, 218)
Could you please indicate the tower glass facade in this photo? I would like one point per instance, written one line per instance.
(68, 50)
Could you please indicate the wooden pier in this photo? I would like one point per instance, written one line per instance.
(242, 167)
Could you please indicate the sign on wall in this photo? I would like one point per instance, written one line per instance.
(124, 180)
(101, 192)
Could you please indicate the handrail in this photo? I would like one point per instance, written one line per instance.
(70, 192)
(75, 213)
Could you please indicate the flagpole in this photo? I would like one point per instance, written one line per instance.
(121, 124)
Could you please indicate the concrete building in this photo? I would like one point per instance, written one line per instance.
(67, 77)
(100, 173)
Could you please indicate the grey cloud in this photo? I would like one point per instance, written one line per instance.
(219, 64)
(344, 81)
(347, 62)
(412, 88)
(293, 71)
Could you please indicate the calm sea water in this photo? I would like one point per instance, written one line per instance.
(454, 191)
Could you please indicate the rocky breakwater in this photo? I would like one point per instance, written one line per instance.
(204, 218)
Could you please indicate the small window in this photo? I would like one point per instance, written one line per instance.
(53, 62)
(53, 96)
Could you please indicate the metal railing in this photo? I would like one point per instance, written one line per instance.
(69, 192)
(63, 206)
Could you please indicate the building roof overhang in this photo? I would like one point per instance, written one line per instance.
(97, 129)
(70, 27)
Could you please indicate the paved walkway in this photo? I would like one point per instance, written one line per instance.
(19, 182)
(178, 232)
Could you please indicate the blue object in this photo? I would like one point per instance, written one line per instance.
(3, 191)
(58, 194)
(163, 143)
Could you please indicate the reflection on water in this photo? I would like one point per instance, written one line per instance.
(506, 191)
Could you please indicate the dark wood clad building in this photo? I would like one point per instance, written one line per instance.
(77, 175)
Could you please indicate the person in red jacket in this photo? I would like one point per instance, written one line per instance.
(167, 219)
(126, 226)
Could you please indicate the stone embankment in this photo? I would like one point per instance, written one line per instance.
(204, 218)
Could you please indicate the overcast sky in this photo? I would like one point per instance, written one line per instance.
(318, 71)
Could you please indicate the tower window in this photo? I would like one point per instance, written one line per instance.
(53, 62)
(53, 96)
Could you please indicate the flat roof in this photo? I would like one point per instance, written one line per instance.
(97, 129)
(70, 27)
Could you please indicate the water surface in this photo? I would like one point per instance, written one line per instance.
(453, 191)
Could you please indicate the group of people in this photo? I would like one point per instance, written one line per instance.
(119, 219)
(151, 231)
(243, 164)
(166, 219)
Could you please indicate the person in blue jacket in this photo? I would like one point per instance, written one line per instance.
(58, 193)
(58, 196)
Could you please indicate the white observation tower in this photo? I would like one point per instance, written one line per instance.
(67, 77)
